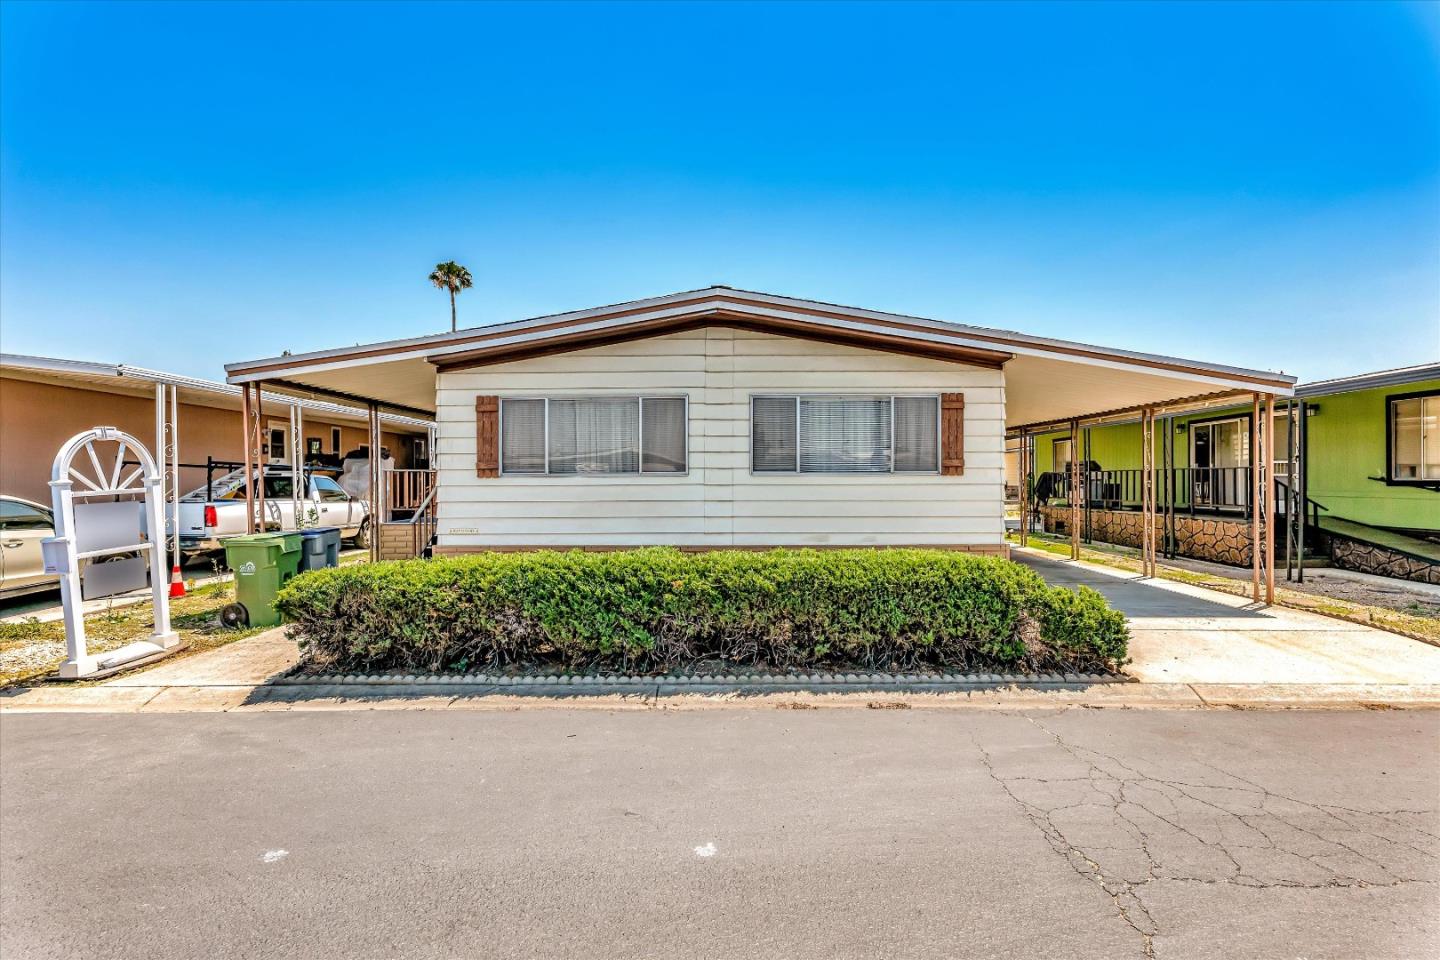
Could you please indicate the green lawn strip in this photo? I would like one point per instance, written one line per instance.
(1416, 627)
(31, 649)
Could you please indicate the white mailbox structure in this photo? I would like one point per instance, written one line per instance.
(99, 526)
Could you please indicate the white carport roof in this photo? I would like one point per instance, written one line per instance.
(120, 378)
(1047, 380)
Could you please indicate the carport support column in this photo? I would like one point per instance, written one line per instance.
(249, 477)
(257, 413)
(1075, 491)
(1255, 460)
(1267, 434)
(1024, 489)
(375, 478)
(1147, 492)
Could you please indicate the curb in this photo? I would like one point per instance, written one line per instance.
(708, 683)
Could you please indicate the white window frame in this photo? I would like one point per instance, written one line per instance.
(639, 399)
(892, 397)
(1390, 455)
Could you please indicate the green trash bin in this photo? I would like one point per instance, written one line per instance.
(263, 563)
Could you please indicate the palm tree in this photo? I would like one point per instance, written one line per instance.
(453, 277)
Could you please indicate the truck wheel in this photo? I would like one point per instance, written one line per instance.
(362, 536)
(234, 616)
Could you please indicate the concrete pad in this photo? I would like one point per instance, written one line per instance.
(196, 699)
(90, 699)
(1322, 694)
(1284, 656)
(245, 662)
(1186, 634)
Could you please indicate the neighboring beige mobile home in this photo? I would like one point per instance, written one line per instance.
(45, 401)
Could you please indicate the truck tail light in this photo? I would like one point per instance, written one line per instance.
(210, 519)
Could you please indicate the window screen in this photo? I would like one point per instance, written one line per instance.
(844, 434)
(663, 440)
(772, 434)
(587, 436)
(522, 436)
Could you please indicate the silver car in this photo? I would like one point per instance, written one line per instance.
(23, 524)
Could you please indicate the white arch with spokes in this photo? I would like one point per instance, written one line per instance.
(70, 481)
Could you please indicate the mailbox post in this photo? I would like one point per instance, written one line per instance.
(105, 523)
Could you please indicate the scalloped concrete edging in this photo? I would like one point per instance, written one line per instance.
(818, 682)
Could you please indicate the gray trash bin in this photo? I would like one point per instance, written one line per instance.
(320, 548)
(332, 546)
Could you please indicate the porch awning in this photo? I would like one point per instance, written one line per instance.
(1046, 380)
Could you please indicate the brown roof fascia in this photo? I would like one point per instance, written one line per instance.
(665, 325)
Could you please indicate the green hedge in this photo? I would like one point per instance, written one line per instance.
(656, 609)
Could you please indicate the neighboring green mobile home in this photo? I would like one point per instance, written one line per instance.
(1371, 468)
(1374, 450)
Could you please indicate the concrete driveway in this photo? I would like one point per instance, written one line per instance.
(1186, 634)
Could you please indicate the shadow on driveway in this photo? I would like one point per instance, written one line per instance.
(1131, 595)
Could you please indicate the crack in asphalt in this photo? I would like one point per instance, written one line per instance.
(1125, 829)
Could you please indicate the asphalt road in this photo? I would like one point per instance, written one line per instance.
(734, 833)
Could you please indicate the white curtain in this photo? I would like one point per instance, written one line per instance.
(663, 443)
(595, 435)
(917, 428)
(522, 436)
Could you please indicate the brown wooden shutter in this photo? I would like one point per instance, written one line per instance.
(952, 434)
(487, 436)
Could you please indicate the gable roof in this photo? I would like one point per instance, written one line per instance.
(396, 364)
(721, 304)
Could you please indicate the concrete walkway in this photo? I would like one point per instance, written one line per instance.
(1186, 634)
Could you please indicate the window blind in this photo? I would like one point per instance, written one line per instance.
(844, 434)
(772, 435)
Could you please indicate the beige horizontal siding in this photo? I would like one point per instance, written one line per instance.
(719, 502)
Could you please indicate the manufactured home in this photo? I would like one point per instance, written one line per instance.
(723, 418)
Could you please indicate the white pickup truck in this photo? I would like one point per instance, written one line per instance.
(217, 510)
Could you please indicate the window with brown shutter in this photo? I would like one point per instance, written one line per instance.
(952, 434)
(487, 436)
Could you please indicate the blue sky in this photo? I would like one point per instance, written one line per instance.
(187, 185)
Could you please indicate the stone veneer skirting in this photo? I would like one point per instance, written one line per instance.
(1202, 538)
(1370, 558)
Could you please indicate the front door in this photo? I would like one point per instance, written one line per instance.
(1219, 456)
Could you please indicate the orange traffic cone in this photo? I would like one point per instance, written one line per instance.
(177, 583)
